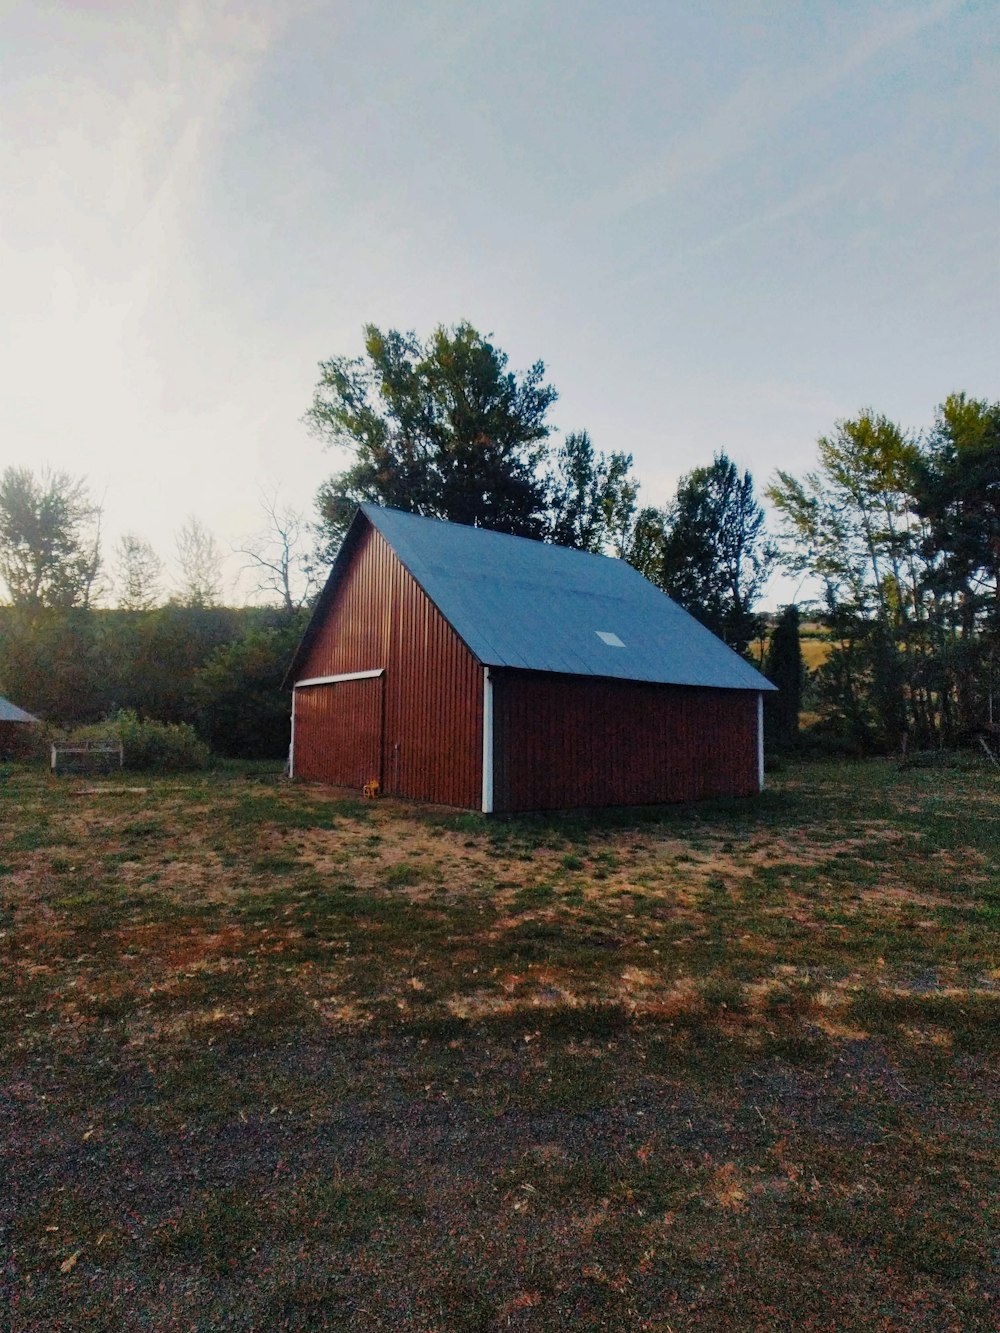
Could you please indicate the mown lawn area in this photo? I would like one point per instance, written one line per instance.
(272, 1057)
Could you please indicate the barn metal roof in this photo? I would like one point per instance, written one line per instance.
(11, 713)
(538, 607)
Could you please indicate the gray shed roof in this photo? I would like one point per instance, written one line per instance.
(538, 607)
(11, 713)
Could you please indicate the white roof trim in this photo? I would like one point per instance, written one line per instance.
(334, 680)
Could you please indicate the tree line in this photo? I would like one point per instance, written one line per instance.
(902, 534)
(51, 553)
(897, 534)
(182, 658)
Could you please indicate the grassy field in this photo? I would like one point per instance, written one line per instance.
(272, 1058)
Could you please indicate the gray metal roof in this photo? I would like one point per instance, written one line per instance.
(11, 713)
(539, 607)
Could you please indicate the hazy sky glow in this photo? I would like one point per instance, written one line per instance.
(720, 225)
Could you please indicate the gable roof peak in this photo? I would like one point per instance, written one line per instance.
(531, 605)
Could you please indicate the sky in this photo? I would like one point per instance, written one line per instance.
(720, 225)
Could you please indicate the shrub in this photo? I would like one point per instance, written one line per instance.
(168, 747)
(242, 709)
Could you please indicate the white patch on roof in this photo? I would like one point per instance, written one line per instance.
(612, 640)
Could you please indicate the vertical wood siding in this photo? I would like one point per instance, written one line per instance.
(432, 691)
(338, 732)
(563, 741)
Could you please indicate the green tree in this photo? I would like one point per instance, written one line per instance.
(242, 710)
(784, 667)
(851, 523)
(138, 573)
(50, 539)
(643, 545)
(592, 497)
(52, 661)
(957, 495)
(440, 428)
(162, 650)
(714, 555)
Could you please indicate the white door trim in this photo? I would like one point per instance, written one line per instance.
(487, 742)
(760, 741)
(335, 680)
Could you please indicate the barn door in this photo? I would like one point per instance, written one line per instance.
(338, 731)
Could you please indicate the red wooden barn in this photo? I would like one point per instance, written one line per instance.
(471, 668)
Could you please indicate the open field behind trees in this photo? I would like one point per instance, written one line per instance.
(274, 1058)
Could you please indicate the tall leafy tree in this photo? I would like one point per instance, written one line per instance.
(850, 520)
(643, 543)
(904, 534)
(714, 556)
(441, 428)
(957, 495)
(851, 523)
(592, 497)
(50, 539)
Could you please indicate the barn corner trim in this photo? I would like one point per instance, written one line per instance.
(760, 742)
(487, 742)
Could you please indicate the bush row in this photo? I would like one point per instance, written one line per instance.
(164, 747)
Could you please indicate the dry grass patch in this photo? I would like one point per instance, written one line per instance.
(277, 1058)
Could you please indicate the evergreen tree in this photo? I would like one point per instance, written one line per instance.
(785, 668)
(138, 573)
(714, 555)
